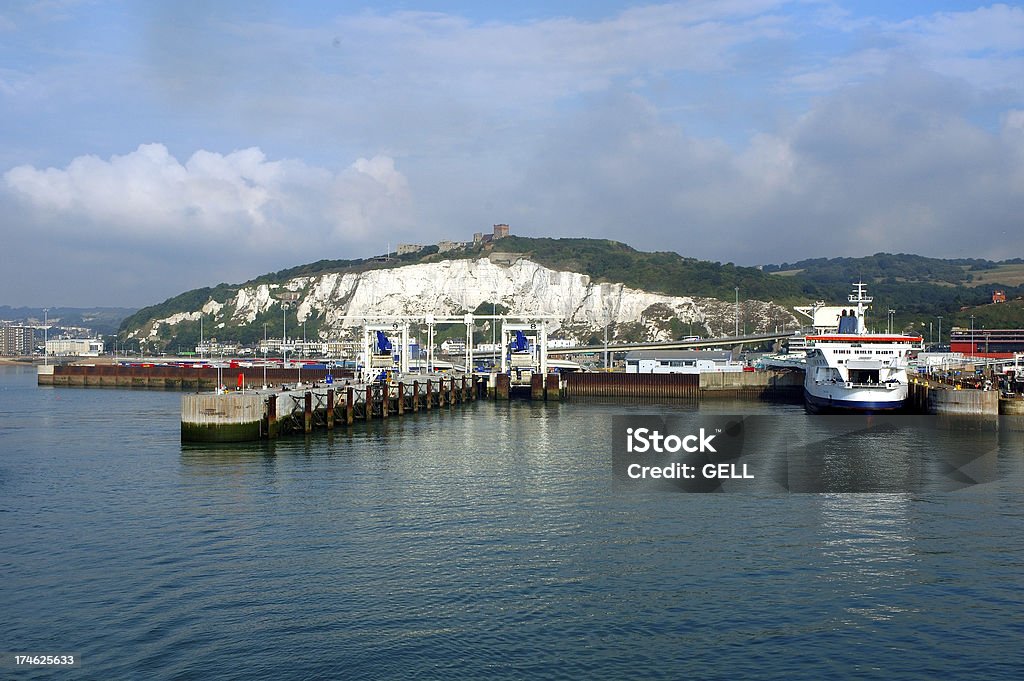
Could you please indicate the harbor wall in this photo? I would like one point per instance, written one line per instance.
(746, 384)
(753, 384)
(932, 398)
(176, 377)
(230, 417)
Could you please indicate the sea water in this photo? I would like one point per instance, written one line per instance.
(481, 542)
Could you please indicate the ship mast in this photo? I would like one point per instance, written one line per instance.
(862, 300)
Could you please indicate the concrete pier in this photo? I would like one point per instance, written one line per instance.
(927, 397)
(236, 416)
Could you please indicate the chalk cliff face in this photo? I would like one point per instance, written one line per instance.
(455, 287)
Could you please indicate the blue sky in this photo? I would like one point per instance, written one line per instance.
(153, 147)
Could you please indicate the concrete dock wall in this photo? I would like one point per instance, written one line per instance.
(752, 384)
(174, 377)
(931, 398)
(231, 417)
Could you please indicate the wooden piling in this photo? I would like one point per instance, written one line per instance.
(503, 386)
(401, 398)
(330, 409)
(350, 406)
(272, 417)
(308, 413)
(385, 402)
(368, 406)
(429, 397)
(415, 396)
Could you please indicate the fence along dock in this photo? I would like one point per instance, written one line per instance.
(258, 415)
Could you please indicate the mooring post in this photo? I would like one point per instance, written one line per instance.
(401, 398)
(368, 407)
(553, 392)
(271, 417)
(308, 413)
(350, 406)
(415, 395)
(452, 395)
(385, 403)
(330, 409)
(536, 387)
(502, 387)
(463, 391)
(429, 395)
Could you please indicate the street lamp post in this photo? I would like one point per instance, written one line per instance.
(264, 355)
(46, 311)
(940, 332)
(284, 335)
(892, 319)
(736, 332)
(972, 335)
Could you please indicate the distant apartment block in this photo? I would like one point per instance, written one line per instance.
(16, 341)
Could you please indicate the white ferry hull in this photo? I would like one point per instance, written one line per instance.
(841, 398)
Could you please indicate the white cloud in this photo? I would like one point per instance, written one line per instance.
(239, 198)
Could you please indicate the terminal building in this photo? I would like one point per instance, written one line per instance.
(994, 343)
(681, 362)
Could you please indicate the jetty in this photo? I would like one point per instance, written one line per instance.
(246, 416)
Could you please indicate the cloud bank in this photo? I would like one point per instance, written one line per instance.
(749, 130)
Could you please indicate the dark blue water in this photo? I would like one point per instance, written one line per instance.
(479, 543)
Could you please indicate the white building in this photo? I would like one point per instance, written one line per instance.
(454, 346)
(680, 362)
(74, 347)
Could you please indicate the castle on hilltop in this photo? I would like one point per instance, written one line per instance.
(500, 232)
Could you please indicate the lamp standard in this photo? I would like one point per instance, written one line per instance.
(284, 335)
(46, 311)
(201, 348)
(736, 332)
(264, 355)
(940, 332)
(972, 335)
(892, 319)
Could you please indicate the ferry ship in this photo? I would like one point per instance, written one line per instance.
(853, 370)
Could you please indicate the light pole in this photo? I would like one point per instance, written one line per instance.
(892, 319)
(201, 348)
(46, 311)
(736, 333)
(940, 332)
(264, 355)
(284, 335)
(972, 335)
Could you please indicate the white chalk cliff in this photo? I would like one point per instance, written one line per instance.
(454, 287)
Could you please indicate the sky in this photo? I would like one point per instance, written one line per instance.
(148, 148)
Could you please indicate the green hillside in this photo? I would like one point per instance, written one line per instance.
(919, 289)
